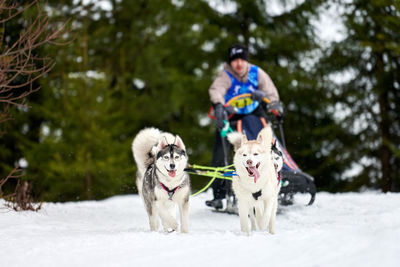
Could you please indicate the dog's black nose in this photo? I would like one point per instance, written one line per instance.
(172, 166)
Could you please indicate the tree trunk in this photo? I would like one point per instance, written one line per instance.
(89, 194)
(385, 152)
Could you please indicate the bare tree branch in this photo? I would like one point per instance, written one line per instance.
(21, 199)
(12, 9)
(14, 174)
(20, 67)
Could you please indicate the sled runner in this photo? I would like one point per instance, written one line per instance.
(293, 179)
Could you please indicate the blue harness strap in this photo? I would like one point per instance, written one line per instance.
(239, 88)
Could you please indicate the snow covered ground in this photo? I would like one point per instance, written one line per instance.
(338, 230)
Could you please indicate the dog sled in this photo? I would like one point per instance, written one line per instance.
(293, 179)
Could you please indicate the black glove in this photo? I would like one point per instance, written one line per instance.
(276, 107)
(230, 109)
(258, 95)
(220, 115)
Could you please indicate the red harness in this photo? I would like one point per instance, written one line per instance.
(170, 192)
(278, 174)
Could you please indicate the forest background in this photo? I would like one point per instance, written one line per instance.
(124, 65)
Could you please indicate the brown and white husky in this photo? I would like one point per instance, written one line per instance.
(256, 185)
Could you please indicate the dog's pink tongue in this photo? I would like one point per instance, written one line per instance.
(172, 173)
(256, 174)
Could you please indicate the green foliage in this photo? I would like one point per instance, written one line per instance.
(80, 154)
(150, 63)
(370, 55)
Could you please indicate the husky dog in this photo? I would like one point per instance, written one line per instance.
(161, 180)
(256, 185)
(277, 158)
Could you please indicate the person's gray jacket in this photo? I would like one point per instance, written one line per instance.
(222, 83)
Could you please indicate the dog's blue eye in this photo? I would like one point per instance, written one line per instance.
(166, 157)
(177, 157)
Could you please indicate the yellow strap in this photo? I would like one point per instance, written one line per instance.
(265, 99)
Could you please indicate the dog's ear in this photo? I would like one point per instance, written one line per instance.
(265, 136)
(260, 138)
(244, 139)
(273, 146)
(179, 143)
(163, 143)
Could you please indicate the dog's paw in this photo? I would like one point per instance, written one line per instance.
(169, 230)
(174, 226)
(244, 233)
(184, 229)
(245, 230)
(170, 226)
(271, 230)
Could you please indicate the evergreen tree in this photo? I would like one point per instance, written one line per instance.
(80, 154)
(146, 63)
(147, 79)
(24, 31)
(369, 55)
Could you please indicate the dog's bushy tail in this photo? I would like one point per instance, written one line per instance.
(235, 139)
(142, 147)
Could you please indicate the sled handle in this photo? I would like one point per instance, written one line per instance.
(232, 100)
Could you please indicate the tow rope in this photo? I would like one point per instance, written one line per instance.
(225, 172)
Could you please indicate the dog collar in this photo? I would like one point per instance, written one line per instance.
(170, 192)
(257, 194)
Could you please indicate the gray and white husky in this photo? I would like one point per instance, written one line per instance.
(161, 180)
